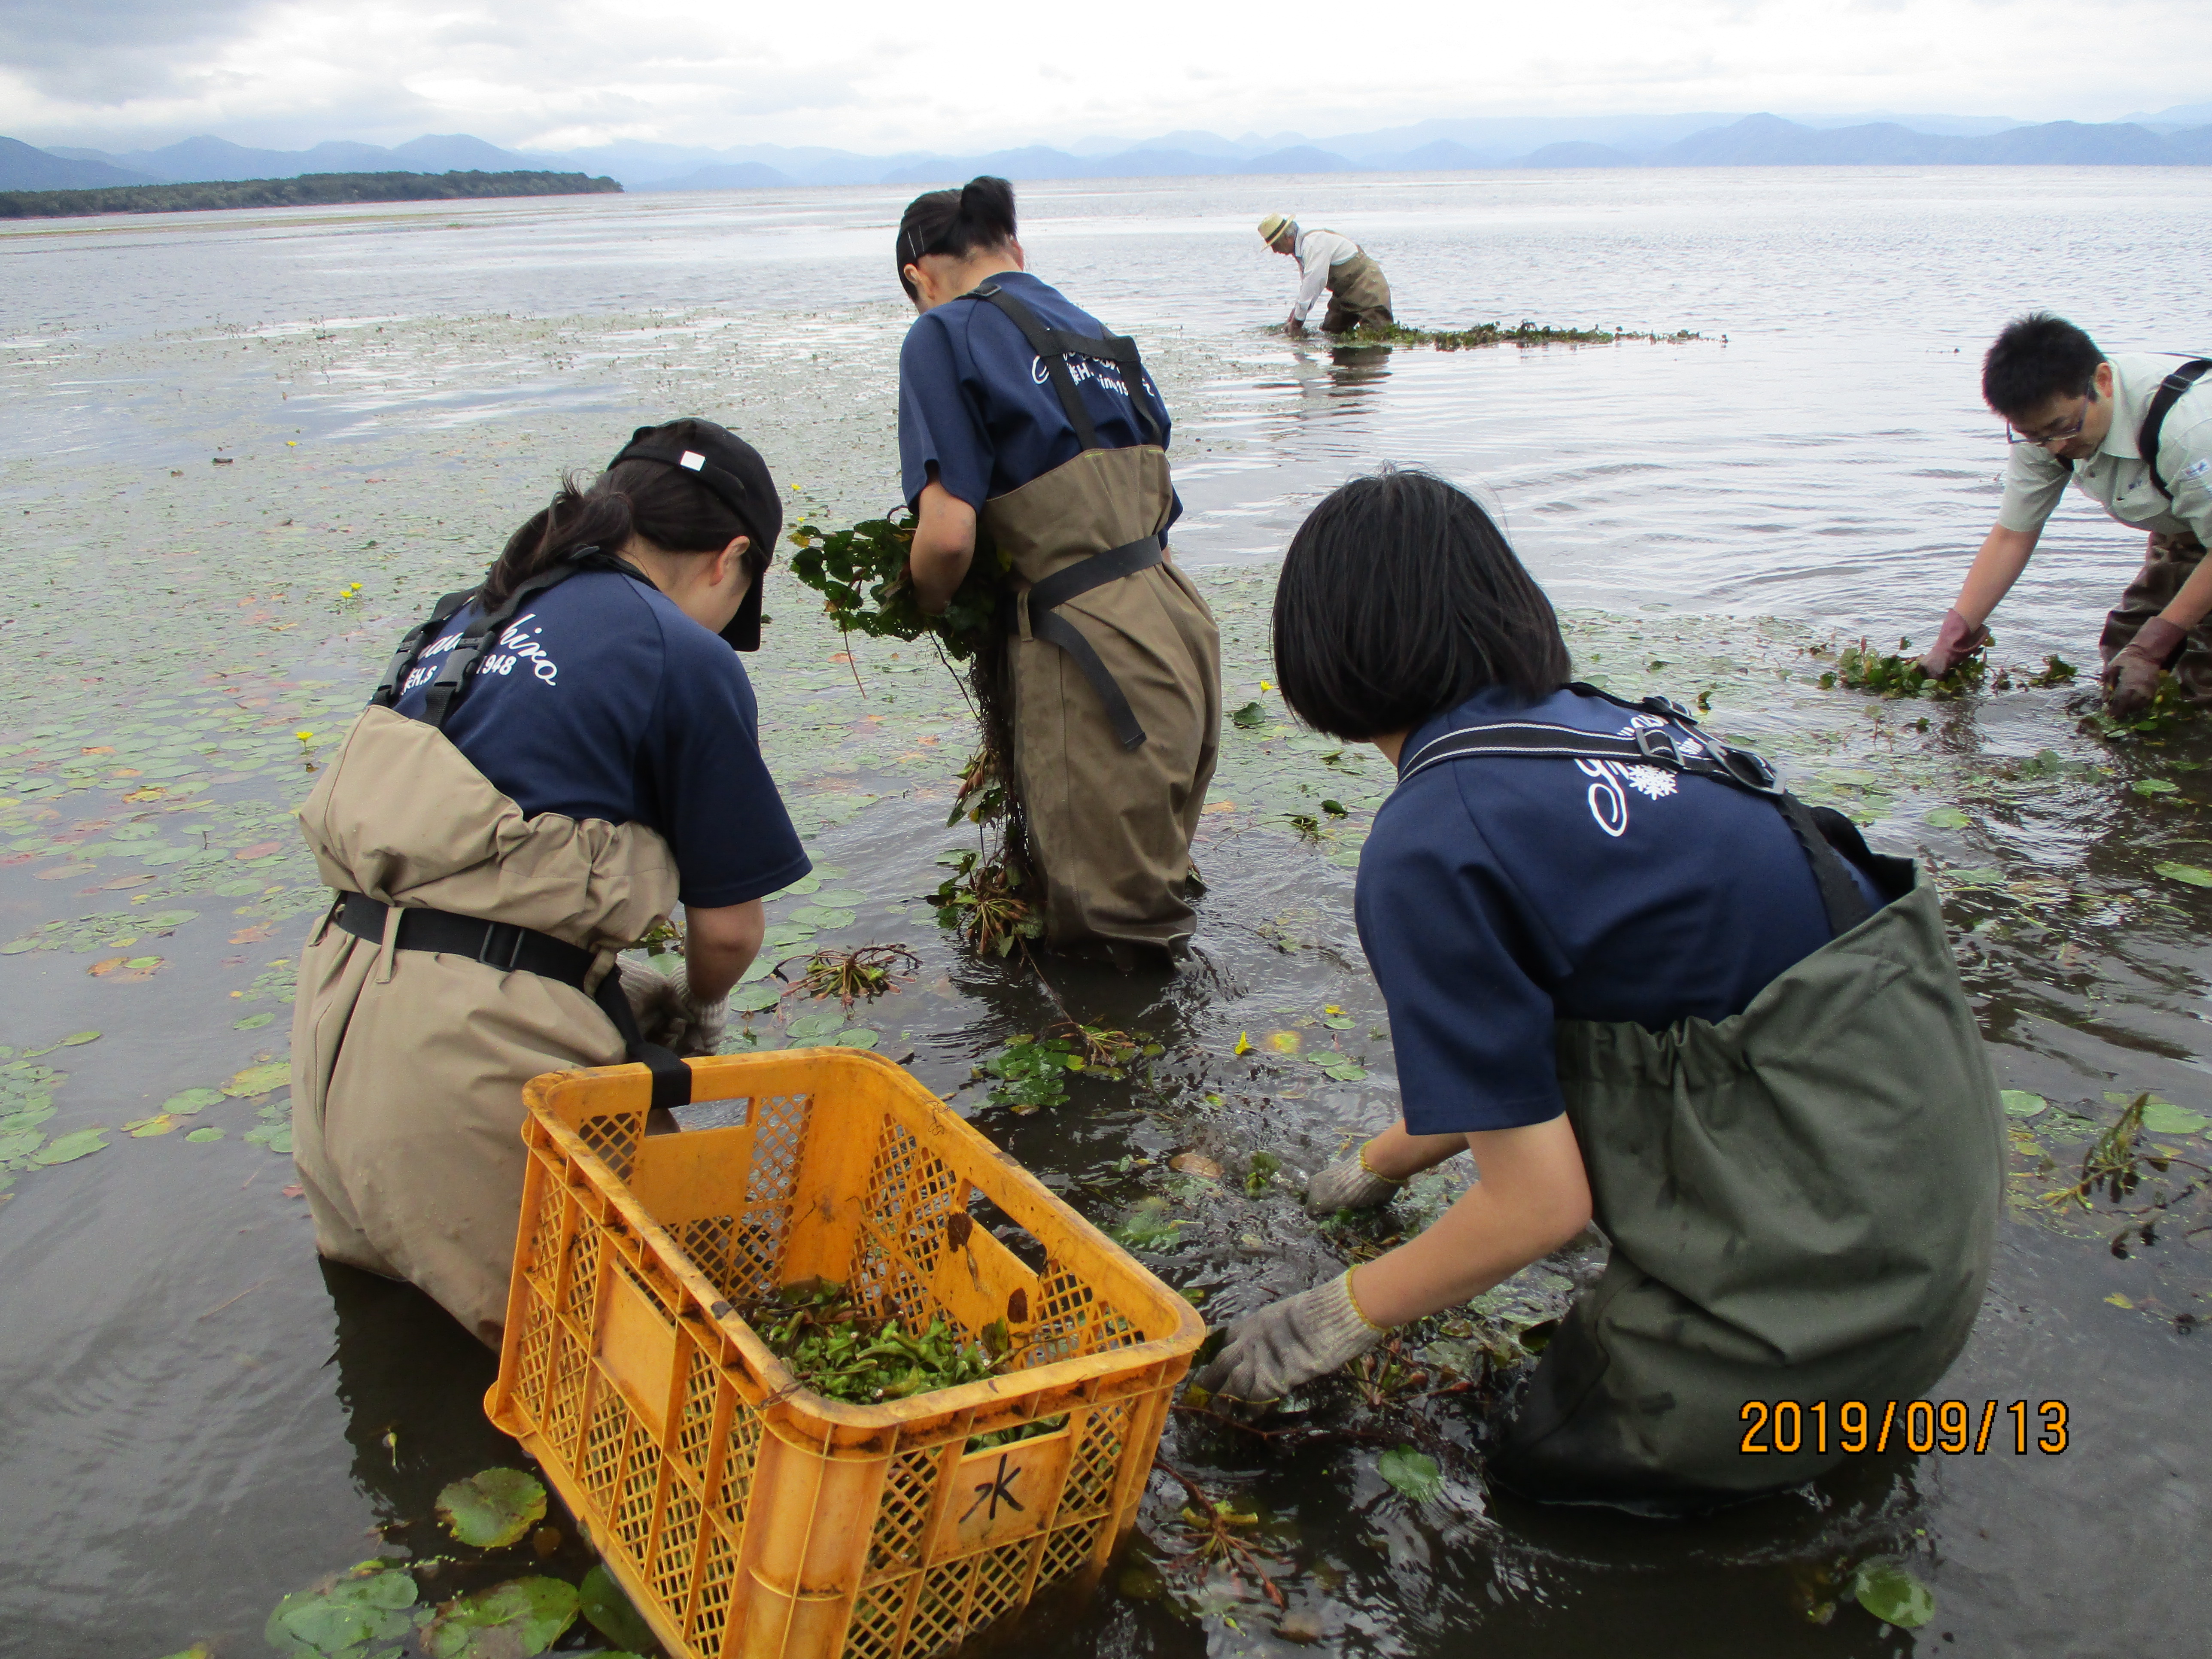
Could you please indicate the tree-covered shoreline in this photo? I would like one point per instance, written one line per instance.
(309, 190)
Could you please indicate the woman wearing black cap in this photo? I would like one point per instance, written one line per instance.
(553, 759)
(1025, 428)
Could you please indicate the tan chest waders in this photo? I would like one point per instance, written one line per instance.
(1114, 665)
(1801, 1199)
(469, 949)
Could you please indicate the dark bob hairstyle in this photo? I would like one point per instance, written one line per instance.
(1399, 600)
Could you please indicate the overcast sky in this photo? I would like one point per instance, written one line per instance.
(877, 77)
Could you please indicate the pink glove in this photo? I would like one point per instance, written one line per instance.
(2131, 677)
(1955, 641)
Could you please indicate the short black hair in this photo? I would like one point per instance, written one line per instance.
(2038, 357)
(1400, 598)
(980, 214)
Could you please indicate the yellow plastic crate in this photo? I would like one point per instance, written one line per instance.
(747, 1516)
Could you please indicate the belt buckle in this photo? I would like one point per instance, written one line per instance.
(486, 952)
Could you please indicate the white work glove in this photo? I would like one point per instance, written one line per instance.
(1289, 1343)
(1349, 1184)
(667, 1013)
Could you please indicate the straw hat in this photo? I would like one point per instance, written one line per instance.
(1274, 226)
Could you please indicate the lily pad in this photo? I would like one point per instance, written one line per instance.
(2195, 875)
(1894, 1595)
(371, 1607)
(259, 1080)
(1249, 716)
(858, 1036)
(757, 997)
(204, 1135)
(1414, 1473)
(822, 915)
(2018, 1103)
(2156, 786)
(77, 1039)
(68, 1148)
(602, 1602)
(2163, 1117)
(251, 1022)
(493, 1509)
(1947, 818)
(192, 1100)
(808, 1026)
(513, 1621)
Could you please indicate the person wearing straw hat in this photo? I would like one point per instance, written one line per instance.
(1358, 291)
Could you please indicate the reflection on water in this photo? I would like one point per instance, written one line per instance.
(391, 389)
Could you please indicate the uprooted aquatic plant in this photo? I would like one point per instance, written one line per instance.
(860, 974)
(1212, 1533)
(1861, 668)
(2115, 1166)
(982, 901)
(1524, 334)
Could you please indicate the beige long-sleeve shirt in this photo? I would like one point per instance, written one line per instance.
(2117, 476)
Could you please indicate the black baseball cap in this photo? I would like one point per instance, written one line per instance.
(733, 471)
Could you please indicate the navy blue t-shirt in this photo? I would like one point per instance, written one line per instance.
(1498, 895)
(602, 700)
(976, 403)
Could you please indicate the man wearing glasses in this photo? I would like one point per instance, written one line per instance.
(2136, 433)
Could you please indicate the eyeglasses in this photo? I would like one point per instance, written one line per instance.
(2057, 435)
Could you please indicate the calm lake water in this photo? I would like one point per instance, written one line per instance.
(196, 1420)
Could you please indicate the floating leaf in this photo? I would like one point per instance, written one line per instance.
(2021, 1103)
(78, 1039)
(858, 1036)
(1894, 1595)
(2156, 786)
(1414, 1473)
(204, 1135)
(755, 998)
(1285, 1042)
(159, 1124)
(188, 1101)
(601, 1601)
(259, 1080)
(2195, 875)
(820, 915)
(2163, 1117)
(370, 1607)
(1947, 818)
(1249, 716)
(513, 1621)
(808, 1027)
(68, 1148)
(251, 1022)
(492, 1509)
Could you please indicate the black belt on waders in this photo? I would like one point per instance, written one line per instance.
(1828, 838)
(502, 945)
(1053, 347)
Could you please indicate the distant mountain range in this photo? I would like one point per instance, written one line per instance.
(2181, 136)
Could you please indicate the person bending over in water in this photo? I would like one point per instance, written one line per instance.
(553, 759)
(1638, 982)
(2134, 432)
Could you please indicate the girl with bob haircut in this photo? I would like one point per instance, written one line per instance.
(1641, 985)
(554, 758)
(1031, 436)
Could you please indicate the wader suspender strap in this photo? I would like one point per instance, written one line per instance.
(1846, 906)
(2168, 394)
(423, 633)
(502, 945)
(1053, 347)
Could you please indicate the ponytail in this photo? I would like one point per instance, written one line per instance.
(978, 217)
(578, 518)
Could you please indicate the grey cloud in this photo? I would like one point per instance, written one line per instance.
(109, 51)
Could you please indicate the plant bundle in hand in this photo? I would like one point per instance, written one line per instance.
(860, 574)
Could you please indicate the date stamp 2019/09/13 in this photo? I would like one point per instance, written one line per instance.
(1921, 1425)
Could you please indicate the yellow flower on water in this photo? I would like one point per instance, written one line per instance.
(1331, 1008)
(303, 736)
(1243, 1044)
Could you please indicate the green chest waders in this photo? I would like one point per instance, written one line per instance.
(1114, 663)
(1801, 1199)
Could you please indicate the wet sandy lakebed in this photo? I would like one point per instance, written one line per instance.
(196, 1420)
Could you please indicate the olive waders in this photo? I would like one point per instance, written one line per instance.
(459, 961)
(1114, 665)
(2169, 560)
(1358, 293)
(1801, 1199)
